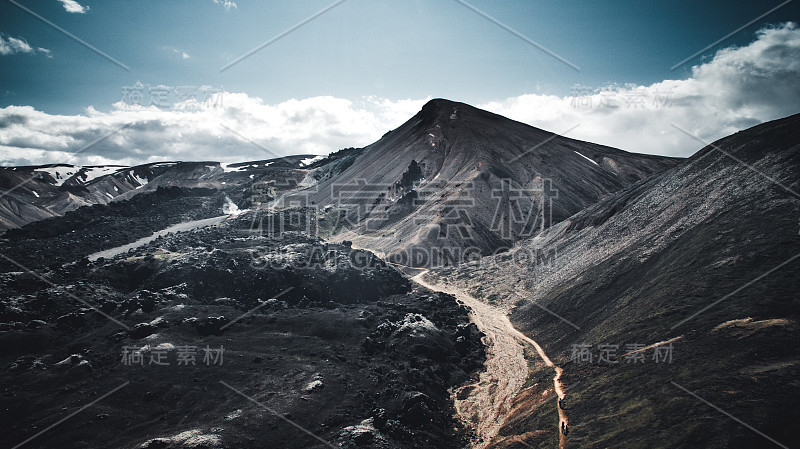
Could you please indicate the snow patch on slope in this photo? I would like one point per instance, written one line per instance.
(226, 167)
(59, 172)
(89, 174)
(142, 181)
(310, 160)
(588, 159)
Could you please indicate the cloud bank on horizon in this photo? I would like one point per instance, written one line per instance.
(737, 88)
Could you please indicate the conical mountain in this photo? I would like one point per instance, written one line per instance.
(458, 178)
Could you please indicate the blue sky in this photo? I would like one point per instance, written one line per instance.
(389, 50)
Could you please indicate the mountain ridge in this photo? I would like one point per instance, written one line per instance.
(460, 151)
(477, 157)
(700, 257)
(35, 192)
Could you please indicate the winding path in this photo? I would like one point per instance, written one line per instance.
(486, 403)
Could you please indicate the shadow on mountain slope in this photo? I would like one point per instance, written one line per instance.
(701, 259)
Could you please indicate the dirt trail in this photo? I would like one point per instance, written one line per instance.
(487, 403)
(563, 422)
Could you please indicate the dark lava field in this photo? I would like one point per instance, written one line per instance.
(219, 337)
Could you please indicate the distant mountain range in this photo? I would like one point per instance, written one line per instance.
(452, 176)
(33, 193)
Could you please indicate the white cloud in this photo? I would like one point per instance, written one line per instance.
(74, 7)
(182, 53)
(228, 4)
(736, 89)
(195, 131)
(10, 45)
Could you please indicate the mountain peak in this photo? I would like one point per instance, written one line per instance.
(441, 111)
(438, 102)
(443, 108)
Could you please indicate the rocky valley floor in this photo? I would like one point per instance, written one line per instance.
(220, 337)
